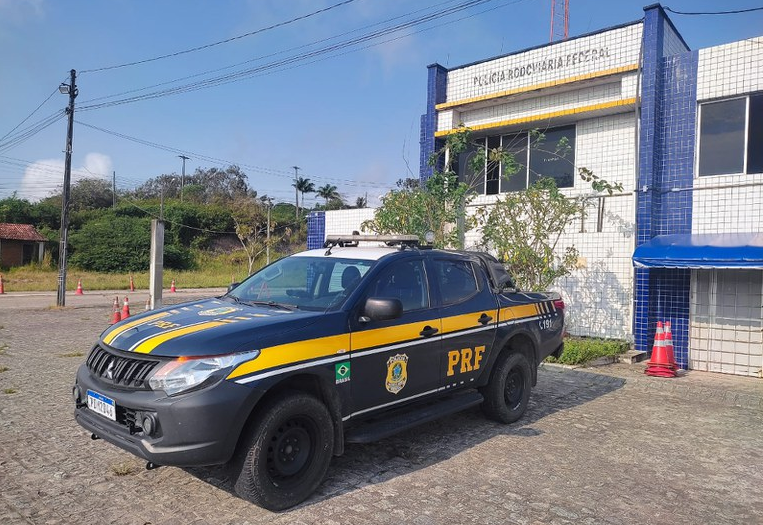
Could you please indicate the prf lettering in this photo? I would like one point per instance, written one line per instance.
(470, 359)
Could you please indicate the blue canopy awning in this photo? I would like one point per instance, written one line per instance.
(726, 250)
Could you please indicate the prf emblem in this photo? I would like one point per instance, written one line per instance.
(397, 373)
(469, 359)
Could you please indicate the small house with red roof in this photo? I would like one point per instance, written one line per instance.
(20, 244)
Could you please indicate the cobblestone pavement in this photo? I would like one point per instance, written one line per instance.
(593, 448)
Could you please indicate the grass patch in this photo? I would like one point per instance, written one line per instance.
(578, 351)
(213, 271)
(3, 369)
(10, 391)
(72, 354)
(124, 468)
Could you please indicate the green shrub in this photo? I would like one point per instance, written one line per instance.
(578, 351)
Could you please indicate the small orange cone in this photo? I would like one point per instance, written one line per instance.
(79, 288)
(659, 365)
(669, 346)
(126, 309)
(172, 286)
(116, 316)
(2, 288)
(132, 285)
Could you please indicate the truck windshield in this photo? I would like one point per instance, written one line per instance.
(310, 283)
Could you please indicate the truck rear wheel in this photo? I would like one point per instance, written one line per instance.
(287, 453)
(508, 392)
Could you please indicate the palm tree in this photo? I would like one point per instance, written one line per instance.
(303, 186)
(328, 192)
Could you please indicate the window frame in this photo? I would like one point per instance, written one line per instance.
(745, 147)
(482, 141)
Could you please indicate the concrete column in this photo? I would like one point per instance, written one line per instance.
(156, 272)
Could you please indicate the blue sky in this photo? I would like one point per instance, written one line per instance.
(349, 118)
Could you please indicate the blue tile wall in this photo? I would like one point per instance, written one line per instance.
(666, 167)
(316, 230)
(437, 83)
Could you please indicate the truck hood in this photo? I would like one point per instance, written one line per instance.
(206, 328)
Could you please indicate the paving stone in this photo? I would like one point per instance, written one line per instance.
(603, 446)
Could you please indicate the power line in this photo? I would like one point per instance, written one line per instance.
(213, 44)
(31, 130)
(274, 65)
(269, 171)
(734, 12)
(30, 115)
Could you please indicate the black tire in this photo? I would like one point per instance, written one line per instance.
(287, 452)
(508, 392)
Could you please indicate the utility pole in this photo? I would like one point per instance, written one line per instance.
(71, 90)
(113, 189)
(267, 242)
(182, 176)
(296, 191)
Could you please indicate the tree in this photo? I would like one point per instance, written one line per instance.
(303, 186)
(91, 194)
(361, 202)
(524, 228)
(250, 217)
(437, 206)
(328, 192)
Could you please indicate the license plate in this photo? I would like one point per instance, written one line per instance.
(102, 405)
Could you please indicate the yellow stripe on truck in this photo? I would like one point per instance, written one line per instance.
(292, 353)
(116, 332)
(147, 346)
(465, 321)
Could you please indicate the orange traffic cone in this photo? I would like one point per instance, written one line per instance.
(79, 288)
(659, 364)
(116, 316)
(669, 346)
(126, 309)
(2, 288)
(172, 286)
(132, 285)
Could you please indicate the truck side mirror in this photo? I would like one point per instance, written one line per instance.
(381, 309)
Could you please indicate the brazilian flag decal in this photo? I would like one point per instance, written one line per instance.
(342, 372)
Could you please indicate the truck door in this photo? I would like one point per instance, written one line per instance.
(397, 359)
(469, 316)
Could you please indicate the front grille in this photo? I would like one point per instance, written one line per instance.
(118, 369)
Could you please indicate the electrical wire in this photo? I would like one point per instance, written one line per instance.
(271, 66)
(734, 12)
(214, 160)
(31, 130)
(227, 40)
(262, 57)
(29, 116)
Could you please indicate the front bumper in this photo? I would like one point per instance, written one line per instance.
(193, 429)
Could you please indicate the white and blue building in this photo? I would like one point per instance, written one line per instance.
(681, 129)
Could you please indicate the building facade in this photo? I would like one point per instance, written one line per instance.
(680, 129)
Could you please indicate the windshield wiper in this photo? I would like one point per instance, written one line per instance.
(272, 304)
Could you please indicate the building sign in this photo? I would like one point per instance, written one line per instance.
(541, 66)
(589, 55)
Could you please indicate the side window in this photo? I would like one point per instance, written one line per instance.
(404, 280)
(456, 279)
(345, 277)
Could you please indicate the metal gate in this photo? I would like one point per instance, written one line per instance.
(726, 320)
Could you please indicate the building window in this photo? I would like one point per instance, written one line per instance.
(729, 131)
(550, 155)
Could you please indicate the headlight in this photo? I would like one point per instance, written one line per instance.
(188, 372)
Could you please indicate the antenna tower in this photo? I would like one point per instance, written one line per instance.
(560, 20)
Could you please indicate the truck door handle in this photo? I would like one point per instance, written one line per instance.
(428, 331)
(484, 319)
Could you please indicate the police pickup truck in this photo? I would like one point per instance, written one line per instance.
(345, 344)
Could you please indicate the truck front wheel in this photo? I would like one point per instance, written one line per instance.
(287, 452)
(508, 392)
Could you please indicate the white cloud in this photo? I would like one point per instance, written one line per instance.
(46, 176)
(18, 10)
